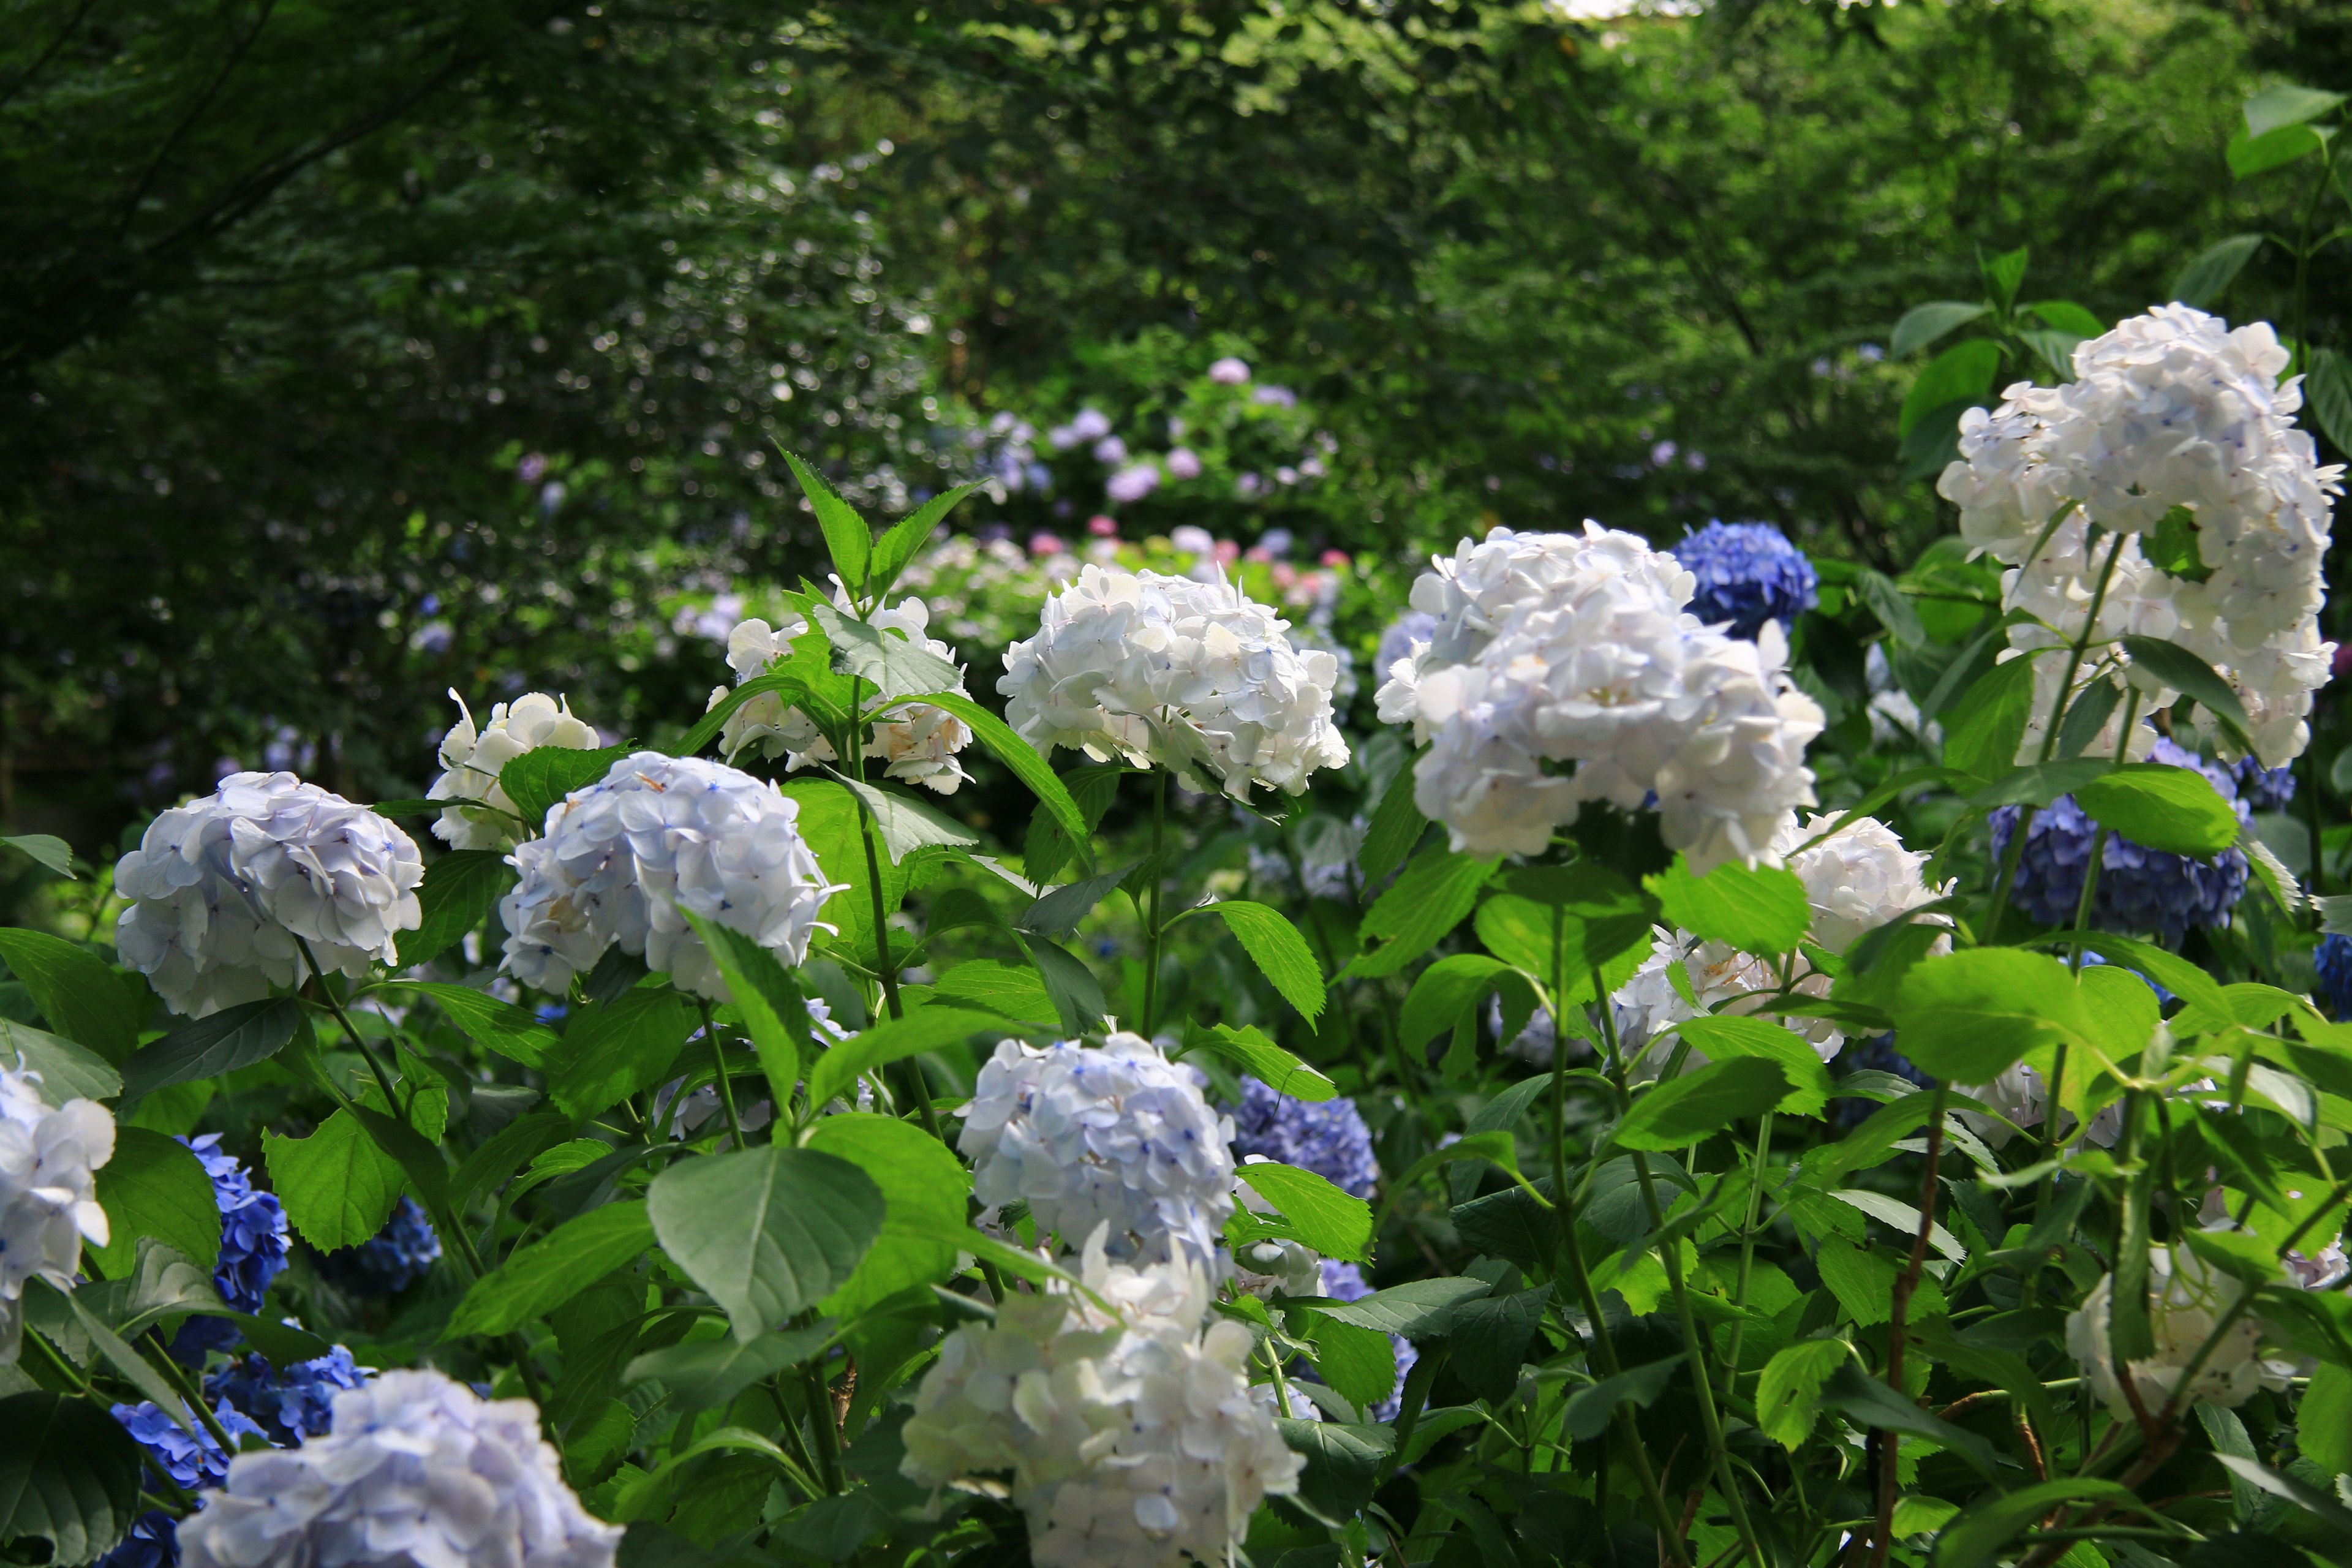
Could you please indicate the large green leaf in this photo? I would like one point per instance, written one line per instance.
(338, 1187)
(460, 889)
(775, 1014)
(1281, 955)
(1443, 993)
(895, 665)
(1985, 729)
(1923, 324)
(541, 1277)
(1343, 1462)
(2194, 679)
(2205, 280)
(1788, 1395)
(765, 1231)
(1249, 1050)
(1756, 909)
(1590, 1410)
(904, 539)
(608, 1054)
(513, 1032)
(155, 1186)
(77, 994)
(923, 1029)
(1490, 1336)
(1078, 996)
(1962, 373)
(1705, 1100)
(539, 779)
(709, 1374)
(2249, 154)
(68, 1475)
(2177, 810)
(1359, 1365)
(1722, 1037)
(67, 1070)
(232, 1038)
(46, 849)
(1428, 900)
(1013, 991)
(1396, 826)
(1333, 1223)
(923, 1187)
(905, 823)
(1418, 1309)
(1966, 1016)
(1976, 1536)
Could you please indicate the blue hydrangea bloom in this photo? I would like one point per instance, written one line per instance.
(1328, 1137)
(2264, 789)
(252, 1249)
(395, 1257)
(291, 1406)
(2333, 966)
(1396, 643)
(1747, 573)
(153, 1543)
(2141, 890)
(194, 1462)
(1346, 1282)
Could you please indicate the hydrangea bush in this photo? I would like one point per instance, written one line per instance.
(1754, 1061)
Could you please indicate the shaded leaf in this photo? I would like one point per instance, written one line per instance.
(1588, 1411)
(513, 1032)
(68, 1475)
(460, 889)
(765, 1231)
(538, 781)
(923, 1029)
(709, 1374)
(1687, 1109)
(67, 1070)
(1332, 1222)
(1429, 899)
(78, 995)
(155, 1186)
(1758, 909)
(609, 1052)
(537, 1279)
(46, 849)
(232, 1038)
(924, 1187)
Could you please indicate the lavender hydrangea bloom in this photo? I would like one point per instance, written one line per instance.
(1346, 1282)
(2140, 889)
(153, 1543)
(392, 1260)
(252, 1248)
(1396, 643)
(1747, 573)
(194, 1463)
(2264, 789)
(2333, 966)
(1326, 1137)
(291, 1406)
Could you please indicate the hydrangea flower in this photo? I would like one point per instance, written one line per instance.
(293, 1405)
(221, 887)
(2331, 964)
(2023, 1100)
(1133, 1437)
(1118, 1136)
(153, 1541)
(1566, 667)
(417, 1471)
(658, 832)
(253, 1248)
(1346, 1282)
(2140, 889)
(193, 1460)
(1191, 676)
(1407, 636)
(2264, 789)
(392, 1260)
(2186, 1298)
(1747, 573)
(48, 1197)
(1328, 1137)
(472, 758)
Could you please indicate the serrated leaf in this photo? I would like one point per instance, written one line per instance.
(1490, 1336)
(2175, 810)
(924, 1190)
(230, 1039)
(68, 1072)
(1250, 1050)
(156, 1187)
(1418, 1309)
(1788, 1395)
(46, 849)
(904, 539)
(78, 995)
(766, 1231)
(460, 889)
(513, 1032)
(1396, 826)
(1428, 901)
(1988, 725)
(2173, 547)
(1588, 1411)
(1968, 1016)
(905, 823)
(2186, 673)
(540, 779)
(1343, 1461)
(338, 1187)
(1333, 1223)
(608, 1054)
(537, 1279)
(1758, 909)
(922, 1029)
(1442, 993)
(1012, 991)
(1923, 324)
(68, 1476)
(847, 538)
(894, 665)
(1721, 1036)
(1360, 1365)
(1703, 1101)
(1280, 953)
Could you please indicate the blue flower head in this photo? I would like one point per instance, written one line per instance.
(1328, 1137)
(153, 1543)
(2141, 890)
(395, 1257)
(2333, 966)
(252, 1248)
(1747, 573)
(2264, 789)
(194, 1462)
(291, 1406)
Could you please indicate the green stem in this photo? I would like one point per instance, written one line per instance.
(1746, 1253)
(177, 1377)
(2075, 651)
(1897, 1338)
(828, 1446)
(1152, 928)
(718, 1066)
(883, 966)
(382, 1079)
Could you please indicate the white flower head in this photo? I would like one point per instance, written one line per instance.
(49, 1198)
(2185, 1299)
(418, 1472)
(223, 885)
(1192, 675)
(657, 834)
(1117, 1135)
(472, 758)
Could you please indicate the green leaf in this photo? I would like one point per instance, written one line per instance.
(1049, 845)
(2250, 155)
(2093, 706)
(1722, 1037)
(153, 1186)
(1602, 923)
(1759, 910)
(1396, 826)
(2303, 1494)
(2003, 274)
(2285, 104)
(232, 1038)
(766, 1232)
(1078, 996)
(1250, 1050)
(68, 1072)
(537, 1279)
(459, 890)
(1012, 991)
(160, 1281)
(1871, 1403)
(846, 536)
(1429, 899)
(1360, 1365)
(1443, 993)
(1967, 1016)
(775, 1014)
(540, 779)
(417, 1153)
(1787, 1396)
(2185, 672)
(1058, 910)
(1934, 441)
(1893, 608)
(1986, 729)
(896, 666)
(1490, 1336)
(1418, 1309)
(126, 1362)
(1961, 374)
(1687, 1109)
(2324, 1420)
(46, 849)
(2328, 392)
(513, 1032)
(903, 540)
(1976, 1536)
(78, 995)
(709, 1374)
(1343, 1462)
(338, 1187)
(1923, 324)
(608, 1054)
(1280, 953)
(2204, 280)
(905, 823)
(2065, 316)
(1027, 764)
(1588, 1411)
(2173, 547)
(924, 1188)
(1327, 1220)
(922, 1029)
(68, 1475)
(2175, 810)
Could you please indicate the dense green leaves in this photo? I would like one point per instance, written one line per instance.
(2177, 810)
(542, 1276)
(1721, 1036)
(511, 1031)
(68, 1476)
(77, 995)
(923, 1187)
(1429, 899)
(1756, 909)
(1333, 1223)
(1704, 1101)
(1591, 1409)
(460, 890)
(1966, 1016)
(611, 1052)
(765, 1231)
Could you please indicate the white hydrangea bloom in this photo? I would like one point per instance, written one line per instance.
(2021, 1096)
(659, 834)
(48, 1199)
(1133, 1437)
(1193, 676)
(1859, 879)
(1721, 979)
(1118, 1136)
(2186, 1298)
(1564, 668)
(918, 743)
(416, 1472)
(222, 885)
(472, 758)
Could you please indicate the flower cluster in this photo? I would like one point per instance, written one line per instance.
(2264, 789)
(152, 1541)
(1118, 1137)
(48, 1197)
(2178, 431)
(293, 1405)
(2139, 890)
(1328, 1137)
(222, 888)
(471, 759)
(1747, 573)
(1193, 676)
(193, 1460)
(253, 1247)
(2331, 964)
(1131, 1432)
(918, 743)
(416, 1471)
(1567, 668)
(2185, 1299)
(392, 1260)
(658, 836)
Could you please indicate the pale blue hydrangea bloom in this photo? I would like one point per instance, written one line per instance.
(1328, 1137)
